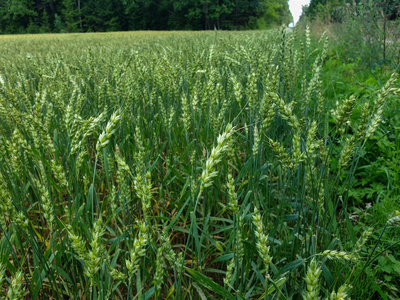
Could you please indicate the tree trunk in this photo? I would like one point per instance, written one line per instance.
(80, 15)
(205, 9)
(51, 4)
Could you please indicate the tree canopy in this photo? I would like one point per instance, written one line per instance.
(34, 16)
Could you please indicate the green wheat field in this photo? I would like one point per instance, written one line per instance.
(180, 165)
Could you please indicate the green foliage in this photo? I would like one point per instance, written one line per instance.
(326, 10)
(369, 34)
(121, 15)
(185, 165)
(382, 276)
(367, 29)
(373, 190)
(338, 10)
(71, 14)
(58, 25)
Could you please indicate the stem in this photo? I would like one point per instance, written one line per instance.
(266, 284)
(369, 260)
(193, 220)
(94, 176)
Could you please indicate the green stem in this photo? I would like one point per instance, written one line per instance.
(94, 176)
(369, 260)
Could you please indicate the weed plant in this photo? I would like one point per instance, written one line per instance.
(180, 166)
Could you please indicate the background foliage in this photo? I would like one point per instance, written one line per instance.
(34, 16)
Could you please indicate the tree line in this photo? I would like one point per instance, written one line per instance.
(39, 16)
(339, 10)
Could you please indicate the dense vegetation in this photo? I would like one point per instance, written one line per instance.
(366, 31)
(35, 16)
(336, 10)
(194, 165)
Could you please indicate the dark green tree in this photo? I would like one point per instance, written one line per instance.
(18, 16)
(72, 15)
(46, 27)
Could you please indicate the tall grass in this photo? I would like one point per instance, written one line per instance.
(175, 165)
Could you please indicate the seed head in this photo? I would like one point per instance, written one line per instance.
(333, 254)
(223, 145)
(312, 280)
(16, 291)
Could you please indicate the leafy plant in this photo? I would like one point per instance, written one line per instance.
(165, 165)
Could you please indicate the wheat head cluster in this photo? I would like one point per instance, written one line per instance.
(177, 166)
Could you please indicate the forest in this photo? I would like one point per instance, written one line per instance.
(58, 16)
